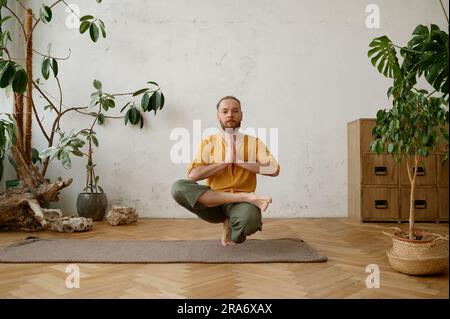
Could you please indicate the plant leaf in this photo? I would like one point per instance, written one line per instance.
(383, 54)
(55, 67)
(139, 92)
(84, 26)
(94, 140)
(97, 84)
(45, 69)
(45, 14)
(7, 75)
(145, 101)
(128, 103)
(93, 32)
(162, 101)
(65, 159)
(86, 17)
(20, 81)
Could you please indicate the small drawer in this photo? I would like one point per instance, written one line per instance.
(380, 203)
(443, 203)
(379, 169)
(442, 170)
(366, 127)
(425, 203)
(426, 172)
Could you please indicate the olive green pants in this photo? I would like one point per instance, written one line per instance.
(245, 218)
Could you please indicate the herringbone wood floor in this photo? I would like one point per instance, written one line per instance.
(349, 245)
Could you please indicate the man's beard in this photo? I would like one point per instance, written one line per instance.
(233, 125)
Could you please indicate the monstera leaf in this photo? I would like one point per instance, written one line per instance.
(384, 56)
(433, 45)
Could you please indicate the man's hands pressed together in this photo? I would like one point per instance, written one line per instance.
(268, 168)
(232, 158)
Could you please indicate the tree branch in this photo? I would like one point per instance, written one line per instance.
(106, 116)
(443, 9)
(119, 94)
(49, 56)
(60, 97)
(18, 19)
(20, 3)
(71, 9)
(39, 121)
(45, 97)
(38, 20)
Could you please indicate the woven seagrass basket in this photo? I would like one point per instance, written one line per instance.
(418, 266)
(429, 255)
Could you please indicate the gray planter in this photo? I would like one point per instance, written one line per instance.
(92, 205)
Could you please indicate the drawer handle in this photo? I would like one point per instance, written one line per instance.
(380, 170)
(381, 204)
(420, 203)
(420, 171)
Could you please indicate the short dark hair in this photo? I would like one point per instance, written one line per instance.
(228, 97)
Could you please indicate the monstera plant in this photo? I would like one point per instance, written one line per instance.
(16, 78)
(416, 122)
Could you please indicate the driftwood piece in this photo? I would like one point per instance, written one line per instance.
(120, 215)
(19, 212)
(20, 207)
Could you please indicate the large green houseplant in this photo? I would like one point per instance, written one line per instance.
(17, 79)
(416, 123)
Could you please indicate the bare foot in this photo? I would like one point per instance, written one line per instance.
(226, 233)
(261, 201)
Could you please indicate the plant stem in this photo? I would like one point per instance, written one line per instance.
(60, 97)
(38, 20)
(404, 48)
(29, 69)
(18, 20)
(45, 97)
(39, 121)
(412, 196)
(118, 94)
(443, 9)
(430, 94)
(71, 9)
(53, 57)
(50, 143)
(20, 3)
(90, 169)
(106, 116)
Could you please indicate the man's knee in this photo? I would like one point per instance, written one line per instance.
(238, 237)
(252, 221)
(246, 223)
(178, 189)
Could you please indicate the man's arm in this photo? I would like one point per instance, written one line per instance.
(262, 169)
(268, 168)
(204, 171)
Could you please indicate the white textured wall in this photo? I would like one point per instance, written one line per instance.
(299, 66)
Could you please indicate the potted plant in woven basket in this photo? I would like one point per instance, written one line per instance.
(411, 130)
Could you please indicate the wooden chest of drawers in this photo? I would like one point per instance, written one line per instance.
(379, 188)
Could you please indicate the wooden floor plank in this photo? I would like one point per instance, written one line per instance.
(349, 245)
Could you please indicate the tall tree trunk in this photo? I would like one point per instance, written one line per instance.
(29, 66)
(18, 116)
(412, 180)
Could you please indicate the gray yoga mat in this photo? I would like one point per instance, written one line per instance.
(37, 250)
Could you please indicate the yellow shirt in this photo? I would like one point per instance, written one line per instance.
(233, 179)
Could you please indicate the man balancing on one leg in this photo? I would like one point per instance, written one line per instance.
(229, 161)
